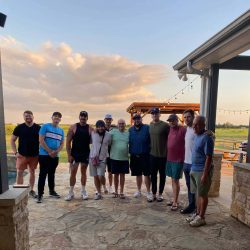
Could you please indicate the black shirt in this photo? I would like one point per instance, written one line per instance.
(28, 139)
(81, 141)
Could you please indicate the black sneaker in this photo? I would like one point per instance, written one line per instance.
(39, 199)
(33, 194)
(54, 194)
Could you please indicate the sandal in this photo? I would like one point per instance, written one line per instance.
(169, 203)
(174, 207)
(122, 196)
(115, 195)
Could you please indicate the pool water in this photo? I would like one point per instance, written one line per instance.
(12, 177)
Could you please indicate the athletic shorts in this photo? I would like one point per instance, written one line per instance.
(119, 167)
(196, 187)
(140, 165)
(108, 162)
(174, 170)
(24, 162)
(81, 158)
(98, 170)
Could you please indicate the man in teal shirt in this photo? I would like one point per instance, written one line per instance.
(119, 156)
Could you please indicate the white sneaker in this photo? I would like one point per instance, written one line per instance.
(97, 196)
(197, 222)
(191, 218)
(111, 190)
(69, 197)
(149, 197)
(137, 194)
(84, 195)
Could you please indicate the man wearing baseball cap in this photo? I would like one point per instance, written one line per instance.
(51, 138)
(158, 131)
(77, 146)
(139, 148)
(175, 156)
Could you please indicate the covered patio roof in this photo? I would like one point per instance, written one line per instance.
(222, 51)
(231, 41)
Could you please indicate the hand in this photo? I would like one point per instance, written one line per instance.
(53, 153)
(70, 159)
(203, 178)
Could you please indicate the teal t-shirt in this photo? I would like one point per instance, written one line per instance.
(119, 145)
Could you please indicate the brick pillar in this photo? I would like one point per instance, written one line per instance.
(215, 186)
(14, 222)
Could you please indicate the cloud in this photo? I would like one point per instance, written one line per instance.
(54, 77)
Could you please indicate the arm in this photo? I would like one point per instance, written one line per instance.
(13, 145)
(207, 168)
(68, 144)
(44, 145)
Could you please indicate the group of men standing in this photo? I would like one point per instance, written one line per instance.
(161, 148)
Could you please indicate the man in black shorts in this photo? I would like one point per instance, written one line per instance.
(139, 148)
(77, 146)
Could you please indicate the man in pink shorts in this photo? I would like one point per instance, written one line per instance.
(26, 154)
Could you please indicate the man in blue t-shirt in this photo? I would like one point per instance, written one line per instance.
(201, 170)
(51, 139)
(139, 148)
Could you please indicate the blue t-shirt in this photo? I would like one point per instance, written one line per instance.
(203, 146)
(139, 140)
(53, 137)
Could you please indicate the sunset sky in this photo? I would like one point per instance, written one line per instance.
(100, 56)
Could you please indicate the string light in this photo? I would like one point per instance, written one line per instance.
(190, 84)
(229, 111)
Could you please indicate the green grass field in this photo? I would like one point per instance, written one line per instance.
(226, 138)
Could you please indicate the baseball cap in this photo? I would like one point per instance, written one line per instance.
(57, 114)
(100, 123)
(83, 113)
(136, 116)
(155, 110)
(108, 116)
(173, 117)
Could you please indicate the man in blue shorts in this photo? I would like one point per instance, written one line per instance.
(51, 138)
(139, 148)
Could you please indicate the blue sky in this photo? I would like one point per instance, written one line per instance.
(146, 32)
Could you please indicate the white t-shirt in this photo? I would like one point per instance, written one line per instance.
(189, 142)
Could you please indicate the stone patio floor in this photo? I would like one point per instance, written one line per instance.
(128, 224)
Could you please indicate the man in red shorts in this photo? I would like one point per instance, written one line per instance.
(27, 134)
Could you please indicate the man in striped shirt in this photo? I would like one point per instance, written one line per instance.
(51, 138)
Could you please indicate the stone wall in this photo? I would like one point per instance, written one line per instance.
(215, 186)
(240, 207)
(14, 222)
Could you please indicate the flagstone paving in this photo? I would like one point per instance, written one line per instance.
(112, 223)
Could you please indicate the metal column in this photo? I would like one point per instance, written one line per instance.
(212, 93)
(3, 157)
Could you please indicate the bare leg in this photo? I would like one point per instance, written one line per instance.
(203, 205)
(176, 190)
(116, 182)
(72, 179)
(139, 182)
(102, 180)
(32, 178)
(97, 184)
(110, 176)
(147, 183)
(19, 176)
(122, 182)
(83, 174)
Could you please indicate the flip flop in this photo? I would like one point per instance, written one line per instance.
(122, 196)
(115, 195)
(174, 207)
